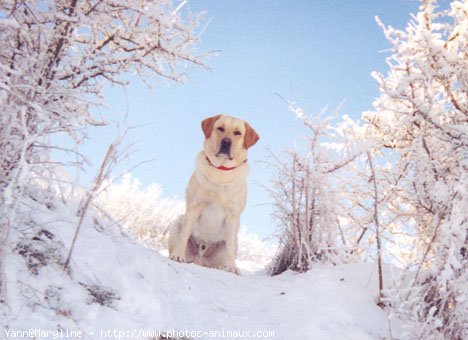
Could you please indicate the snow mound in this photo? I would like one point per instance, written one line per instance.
(116, 288)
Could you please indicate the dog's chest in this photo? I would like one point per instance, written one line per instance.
(212, 224)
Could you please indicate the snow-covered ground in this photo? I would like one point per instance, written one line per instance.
(117, 288)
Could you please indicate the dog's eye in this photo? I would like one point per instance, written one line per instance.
(221, 129)
(237, 133)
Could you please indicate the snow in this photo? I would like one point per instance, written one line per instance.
(138, 292)
(116, 287)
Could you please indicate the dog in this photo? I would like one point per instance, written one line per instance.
(215, 196)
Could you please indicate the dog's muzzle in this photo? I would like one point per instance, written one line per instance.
(225, 147)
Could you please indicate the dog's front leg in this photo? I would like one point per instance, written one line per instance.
(186, 228)
(232, 223)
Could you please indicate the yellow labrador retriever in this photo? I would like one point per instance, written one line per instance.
(215, 196)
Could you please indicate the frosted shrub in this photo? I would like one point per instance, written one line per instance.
(311, 194)
(421, 113)
(253, 249)
(142, 212)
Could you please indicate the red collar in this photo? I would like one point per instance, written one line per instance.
(222, 167)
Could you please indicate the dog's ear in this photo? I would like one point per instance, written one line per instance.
(251, 137)
(207, 125)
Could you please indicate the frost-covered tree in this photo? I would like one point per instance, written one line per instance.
(55, 57)
(422, 113)
(316, 194)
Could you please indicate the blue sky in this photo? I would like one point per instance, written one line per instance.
(315, 53)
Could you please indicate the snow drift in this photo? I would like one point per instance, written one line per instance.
(117, 288)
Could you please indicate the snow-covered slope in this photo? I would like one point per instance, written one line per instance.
(119, 289)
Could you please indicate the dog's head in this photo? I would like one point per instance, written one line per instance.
(227, 140)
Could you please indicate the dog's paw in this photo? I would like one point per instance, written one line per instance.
(230, 269)
(178, 258)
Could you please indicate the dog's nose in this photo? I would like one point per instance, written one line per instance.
(225, 147)
(226, 142)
